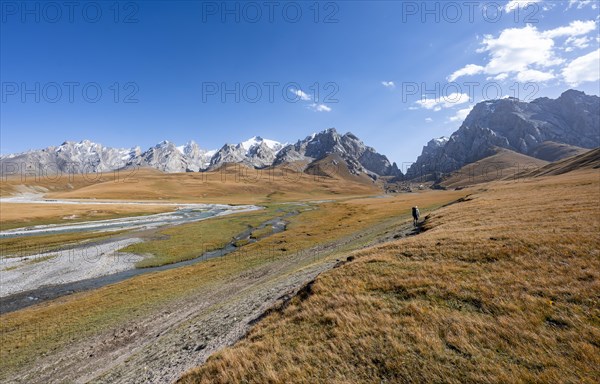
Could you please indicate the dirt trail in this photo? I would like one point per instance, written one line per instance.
(160, 347)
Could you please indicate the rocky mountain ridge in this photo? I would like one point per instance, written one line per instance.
(572, 119)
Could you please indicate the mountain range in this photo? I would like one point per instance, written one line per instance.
(544, 128)
(89, 157)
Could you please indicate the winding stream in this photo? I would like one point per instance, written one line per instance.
(183, 214)
(25, 299)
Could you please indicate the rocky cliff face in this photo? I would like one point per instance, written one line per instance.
(163, 156)
(573, 118)
(197, 158)
(359, 157)
(255, 152)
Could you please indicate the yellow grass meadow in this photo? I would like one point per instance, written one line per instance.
(230, 184)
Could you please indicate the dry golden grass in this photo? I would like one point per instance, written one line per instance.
(504, 165)
(502, 287)
(401, 204)
(11, 185)
(587, 160)
(231, 184)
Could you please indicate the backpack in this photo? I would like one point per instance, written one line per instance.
(415, 212)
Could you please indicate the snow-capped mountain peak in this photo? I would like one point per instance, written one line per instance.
(257, 140)
(251, 142)
(163, 143)
(441, 140)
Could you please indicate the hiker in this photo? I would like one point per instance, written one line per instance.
(415, 213)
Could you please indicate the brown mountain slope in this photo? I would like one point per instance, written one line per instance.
(504, 164)
(552, 151)
(335, 167)
(587, 160)
(232, 184)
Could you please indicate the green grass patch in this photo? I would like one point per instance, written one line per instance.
(188, 241)
(262, 232)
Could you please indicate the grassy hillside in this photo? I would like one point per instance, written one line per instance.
(504, 164)
(233, 183)
(587, 160)
(502, 287)
(551, 151)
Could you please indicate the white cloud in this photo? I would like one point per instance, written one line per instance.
(319, 107)
(575, 28)
(534, 76)
(516, 49)
(447, 101)
(577, 42)
(582, 69)
(547, 6)
(527, 54)
(300, 94)
(429, 104)
(388, 84)
(428, 119)
(461, 114)
(582, 3)
(520, 4)
(467, 70)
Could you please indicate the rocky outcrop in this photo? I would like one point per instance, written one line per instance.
(163, 156)
(197, 158)
(359, 157)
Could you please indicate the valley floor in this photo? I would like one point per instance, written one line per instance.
(155, 326)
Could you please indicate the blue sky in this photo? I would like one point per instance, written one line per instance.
(192, 70)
